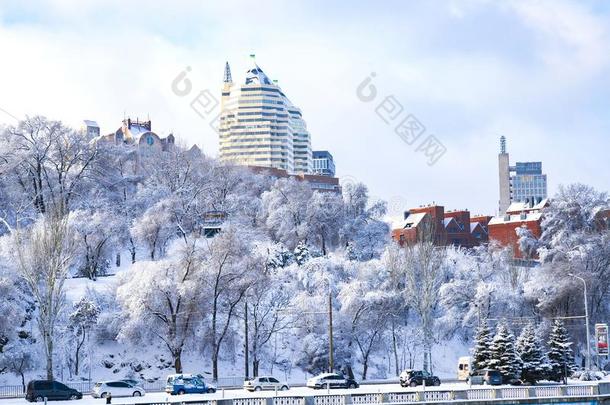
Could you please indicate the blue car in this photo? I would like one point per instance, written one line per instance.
(180, 384)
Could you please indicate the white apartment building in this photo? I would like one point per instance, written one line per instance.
(259, 126)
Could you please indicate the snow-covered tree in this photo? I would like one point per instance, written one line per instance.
(97, 237)
(560, 354)
(227, 274)
(422, 267)
(301, 253)
(465, 296)
(575, 240)
(311, 284)
(267, 306)
(83, 317)
(285, 210)
(367, 307)
(504, 357)
(482, 350)
(18, 351)
(13, 303)
(155, 228)
(44, 255)
(162, 300)
(528, 243)
(531, 351)
(19, 356)
(324, 215)
(363, 231)
(275, 255)
(51, 161)
(115, 185)
(574, 209)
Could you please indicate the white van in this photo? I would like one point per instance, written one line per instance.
(464, 368)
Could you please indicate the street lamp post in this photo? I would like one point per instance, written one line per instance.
(331, 354)
(588, 358)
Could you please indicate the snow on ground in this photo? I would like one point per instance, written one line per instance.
(294, 391)
(76, 288)
(240, 393)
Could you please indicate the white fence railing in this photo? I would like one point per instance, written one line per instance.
(430, 396)
(402, 397)
(364, 399)
(482, 394)
(543, 392)
(515, 393)
(289, 401)
(250, 401)
(579, 390)
(329, 399)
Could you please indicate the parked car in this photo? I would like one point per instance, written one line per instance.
(331, 380)
(413, 378)
(133, 383)
(486, 377)
(179, 384)
(117, 388)
(38, 390)
(264, 383)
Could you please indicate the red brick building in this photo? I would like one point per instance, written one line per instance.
(451, 227)
(317, 182)
(519, 214)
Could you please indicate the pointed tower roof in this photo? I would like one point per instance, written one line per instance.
(502, 144)
(227, 75)
(256, 75)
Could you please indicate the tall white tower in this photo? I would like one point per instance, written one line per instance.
(504, 177)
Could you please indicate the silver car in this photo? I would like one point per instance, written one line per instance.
(116, 388)
(264, 383)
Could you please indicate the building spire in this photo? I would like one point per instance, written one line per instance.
(227, 75)
(502, 144)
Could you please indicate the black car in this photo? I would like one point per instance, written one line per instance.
(38, 390)
(331, 380)
(413, 378)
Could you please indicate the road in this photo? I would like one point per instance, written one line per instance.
(240, 393)
(236, 393)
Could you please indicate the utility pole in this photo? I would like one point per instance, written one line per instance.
(331, 360)
(246, 345)
(588, 357)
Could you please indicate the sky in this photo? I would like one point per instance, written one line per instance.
(537, 72)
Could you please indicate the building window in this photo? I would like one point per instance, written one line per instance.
(150, 140)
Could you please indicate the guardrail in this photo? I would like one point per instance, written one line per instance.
(591, 393)
(417, 395)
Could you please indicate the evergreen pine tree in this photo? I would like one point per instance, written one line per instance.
(481, 353)
(301, 253)
(561, 357)
(504, 357)
(530, 350)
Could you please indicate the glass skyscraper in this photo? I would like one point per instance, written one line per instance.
(528, 182)
(259, 126)
(323, 163)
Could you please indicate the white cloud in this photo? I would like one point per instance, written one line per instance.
(470, 70)
(574, 40)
